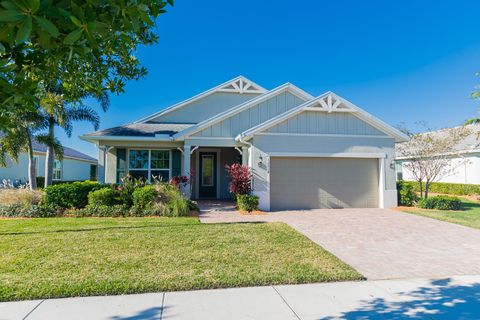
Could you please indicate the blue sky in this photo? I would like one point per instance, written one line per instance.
(403, 61)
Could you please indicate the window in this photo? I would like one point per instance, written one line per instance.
(57, 170)
(93, 172)
(36, 162)
(148, 164)
(207, 170)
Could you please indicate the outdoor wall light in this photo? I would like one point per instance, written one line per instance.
(260, 163)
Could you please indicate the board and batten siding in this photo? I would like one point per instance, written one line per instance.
(204, 108)
(252, 116)
(313, 122)
(266, 145)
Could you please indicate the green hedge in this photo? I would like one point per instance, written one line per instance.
(144, 197)
(405, 194)
(458, 189)
(103, 197)
(70, 195)
(26, 211)
(441, 203)
(247, 202)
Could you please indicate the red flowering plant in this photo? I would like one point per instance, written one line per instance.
(179, 181)
(241, 179)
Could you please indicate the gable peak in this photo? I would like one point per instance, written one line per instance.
(241, 85)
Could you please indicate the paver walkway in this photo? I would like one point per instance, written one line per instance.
(450, 298)
(379, 243)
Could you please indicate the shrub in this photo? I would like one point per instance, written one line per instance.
(406, 195)
(241, 179)
(440, 203)
(20, 196)
(176, 205)
(69, 195)
(116, 210)
(144, 197)
(103, 197)
(26, 211)
(458, 189)
(247, 202)
(126, 189)
(192, 205)
(179, 181)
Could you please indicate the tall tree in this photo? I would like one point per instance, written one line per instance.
(428, 156)
(20, 139)
(70, 42)
(57, 111)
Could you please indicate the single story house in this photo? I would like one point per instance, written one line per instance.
(464, 161)
(304, 151)
(75, 166)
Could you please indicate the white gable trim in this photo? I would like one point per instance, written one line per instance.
(243, 84)
(327, 102)
(287, 87)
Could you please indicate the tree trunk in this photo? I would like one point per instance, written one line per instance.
(32, 171)
(50, 156)
(427, 185)
(421, 188)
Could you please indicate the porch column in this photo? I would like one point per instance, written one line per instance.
(245, 156)
(186, 168)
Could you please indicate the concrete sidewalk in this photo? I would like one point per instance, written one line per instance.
(448, 298)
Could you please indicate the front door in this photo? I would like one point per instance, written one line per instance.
(208, 175)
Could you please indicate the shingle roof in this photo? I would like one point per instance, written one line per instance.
(469, 143)
(149, 129)
(67, 152)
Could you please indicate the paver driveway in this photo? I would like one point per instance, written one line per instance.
(381, 243)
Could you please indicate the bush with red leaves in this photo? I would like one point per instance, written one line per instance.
(179, 181)
(241, 179)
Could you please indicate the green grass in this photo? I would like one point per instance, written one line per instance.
(469, 216)
(61, 257)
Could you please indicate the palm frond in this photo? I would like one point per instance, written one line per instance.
(84, 113)
(54, 143)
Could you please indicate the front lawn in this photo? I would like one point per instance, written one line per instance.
(61, 257)
(469, 216)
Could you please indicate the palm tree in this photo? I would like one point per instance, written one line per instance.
(58, 111)
(20, 139)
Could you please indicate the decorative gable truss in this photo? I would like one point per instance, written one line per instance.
(237, 85)
(327, 102)
(241, 85)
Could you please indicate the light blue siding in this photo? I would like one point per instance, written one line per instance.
(251, 117)
(312, 122)
(264, 145)
(18, 171)
(204, 108)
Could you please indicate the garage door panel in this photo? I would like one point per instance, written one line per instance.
(309, 183)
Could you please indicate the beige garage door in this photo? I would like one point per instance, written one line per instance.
(310, 183)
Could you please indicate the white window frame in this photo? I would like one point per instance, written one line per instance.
(57, 170)
(150, 169)
(36, 161)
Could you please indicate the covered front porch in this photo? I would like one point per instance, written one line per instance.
(205, 167)
(203, 162)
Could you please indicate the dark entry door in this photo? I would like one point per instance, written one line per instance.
(208, 175)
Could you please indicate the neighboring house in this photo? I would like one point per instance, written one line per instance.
(74, 166)
(304, 151)
(465, 163)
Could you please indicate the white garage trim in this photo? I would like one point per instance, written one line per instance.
(386, 198)
(328, 155)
